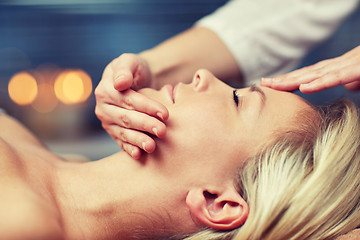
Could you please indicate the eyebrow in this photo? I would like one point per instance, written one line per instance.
(254, 88)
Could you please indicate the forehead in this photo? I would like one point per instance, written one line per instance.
(281, 110)
(285, 102)
(279, 113)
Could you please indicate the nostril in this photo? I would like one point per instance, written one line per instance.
(196, 80)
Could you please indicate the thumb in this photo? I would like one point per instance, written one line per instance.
(123, 80)
(353, 86)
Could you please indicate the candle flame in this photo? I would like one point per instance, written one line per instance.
(23, 88)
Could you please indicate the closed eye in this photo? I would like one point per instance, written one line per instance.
(237, 98)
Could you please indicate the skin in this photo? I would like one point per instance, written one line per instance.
(113, 197)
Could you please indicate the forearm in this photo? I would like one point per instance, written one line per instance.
(176, 59)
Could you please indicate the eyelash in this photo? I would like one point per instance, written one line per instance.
(236, 97)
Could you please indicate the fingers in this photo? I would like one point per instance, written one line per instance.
(315, 81)
(134, 138)
(130, 140)
(348, 76)
(145, 114)
(133, 151)
(315, 78)
(133, 100)
(137, 121)
(128, 117)
(293, 80)
(282, 83)
(129, 126)
(354, 86)
(325, 74)
(287, 82)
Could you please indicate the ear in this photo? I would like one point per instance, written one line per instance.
(223, 210)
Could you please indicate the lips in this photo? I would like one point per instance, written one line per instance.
(174, 92)
(170, 91)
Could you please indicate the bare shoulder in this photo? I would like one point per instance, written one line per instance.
(24, 218)
(16, 133)
(10, 166)
(23, 214)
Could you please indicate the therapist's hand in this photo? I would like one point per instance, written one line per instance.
(125, 114)
(343, 70)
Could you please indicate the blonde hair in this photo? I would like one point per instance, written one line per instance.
(301, 187)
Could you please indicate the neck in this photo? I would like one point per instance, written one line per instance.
(116, 197)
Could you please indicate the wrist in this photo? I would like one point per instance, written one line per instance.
(164, 67)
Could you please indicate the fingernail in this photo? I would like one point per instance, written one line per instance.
(144, 146)
(133, 152)
(155, 131)
(119, 78)
(305, 85)
(276, 79)
(266, 80)
(159, 114)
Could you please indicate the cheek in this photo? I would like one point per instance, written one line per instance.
(158, 96)
(205, 137)
(199, 123)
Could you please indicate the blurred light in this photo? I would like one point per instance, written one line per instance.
(87, 84)
(73, 86)
(46, 100)
(23, 88)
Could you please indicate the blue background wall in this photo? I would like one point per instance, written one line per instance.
(87, 34)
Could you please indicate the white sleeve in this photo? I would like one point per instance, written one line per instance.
(269, 37)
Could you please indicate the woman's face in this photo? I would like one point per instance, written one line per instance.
(213, 126)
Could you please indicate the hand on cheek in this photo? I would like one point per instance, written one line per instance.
(129, 117)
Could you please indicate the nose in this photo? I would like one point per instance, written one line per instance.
(201, 80)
